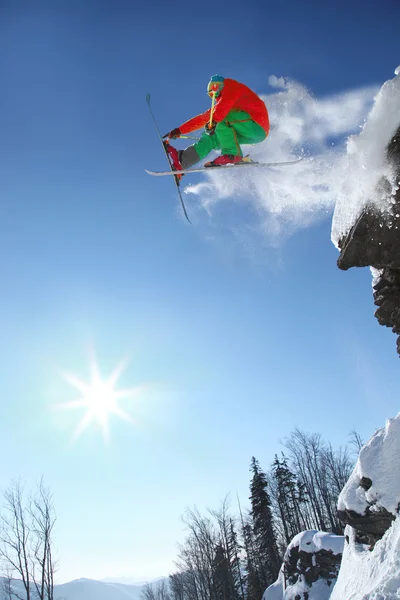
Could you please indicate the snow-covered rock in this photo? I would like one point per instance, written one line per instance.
(370, 500)
(378, 462)
(310, 567)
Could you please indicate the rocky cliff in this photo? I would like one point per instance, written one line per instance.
(374, 240)
(372, 185)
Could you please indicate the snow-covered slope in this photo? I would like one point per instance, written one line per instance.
(370, 575)
(309, 568)
(372, 572)
(88, 589)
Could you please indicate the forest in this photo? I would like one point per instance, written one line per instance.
(235, 554)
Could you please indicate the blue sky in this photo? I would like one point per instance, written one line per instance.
(238, 340)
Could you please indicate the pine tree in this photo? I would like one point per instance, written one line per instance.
(230, 546)
(222, 576)
(290, 497)
(254, 585)
(234, 559)
(266, 548)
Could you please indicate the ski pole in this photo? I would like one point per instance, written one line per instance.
(163, 143)
(212, 109)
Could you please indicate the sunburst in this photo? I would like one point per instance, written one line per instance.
(99, 398)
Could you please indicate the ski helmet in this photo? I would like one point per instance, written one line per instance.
(215, 85)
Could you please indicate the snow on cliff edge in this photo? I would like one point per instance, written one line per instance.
(365, 163)
(379, 461)
(370, 575)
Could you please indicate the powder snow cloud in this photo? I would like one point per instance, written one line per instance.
(292, 197)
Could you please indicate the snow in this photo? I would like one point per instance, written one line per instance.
(370, 575)
(314, 541)
(367, 574)
(311, 541)
(88, 589)
(320, 590)
(378, 460)
(365, 162)
(376, 275)
(275, 591)
(85, 589)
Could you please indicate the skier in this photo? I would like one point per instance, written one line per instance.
(237, 116)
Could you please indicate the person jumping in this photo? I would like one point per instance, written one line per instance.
(237, 116)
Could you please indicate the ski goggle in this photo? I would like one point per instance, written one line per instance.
(215, 88)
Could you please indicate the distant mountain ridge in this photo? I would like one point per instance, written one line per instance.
(86, 589)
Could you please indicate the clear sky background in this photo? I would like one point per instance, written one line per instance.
(238, 337)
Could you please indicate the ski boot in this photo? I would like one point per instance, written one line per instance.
(176, 164)
(225, 159)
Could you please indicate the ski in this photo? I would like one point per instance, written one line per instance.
(217, 168)
(171, 172)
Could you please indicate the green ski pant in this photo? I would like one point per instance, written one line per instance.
(237, 128)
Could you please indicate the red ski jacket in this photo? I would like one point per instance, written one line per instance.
(237, 96)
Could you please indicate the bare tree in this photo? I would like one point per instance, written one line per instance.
(355, 440)
(201, 543)
(15, 537)
(148, 592)
(156, 591)
(338, 467)
(177, 584)
(163, 590)
(7, 584)
(323, 473)
(26, 527)
(196, 558)
(42, 515)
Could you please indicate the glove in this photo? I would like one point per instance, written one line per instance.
(210, 129)
(175, 133)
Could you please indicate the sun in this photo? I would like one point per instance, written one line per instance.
(99, 398)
